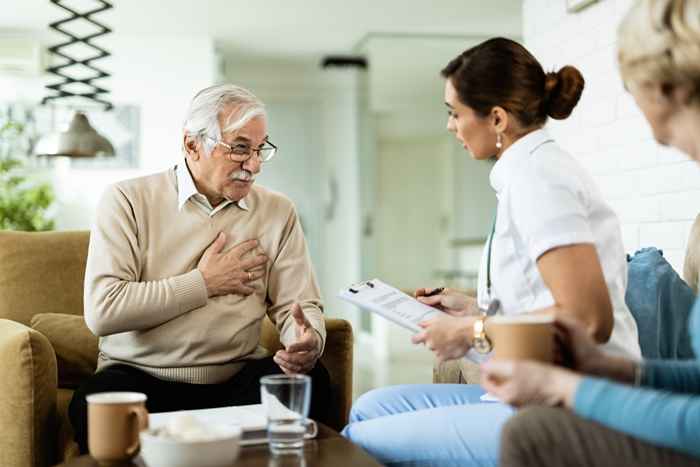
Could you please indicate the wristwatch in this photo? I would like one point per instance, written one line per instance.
(481, 342)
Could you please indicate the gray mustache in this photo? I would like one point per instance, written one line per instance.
(242, 175)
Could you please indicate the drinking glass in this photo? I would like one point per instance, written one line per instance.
(286, 399)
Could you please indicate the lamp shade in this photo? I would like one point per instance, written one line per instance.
(79, 140)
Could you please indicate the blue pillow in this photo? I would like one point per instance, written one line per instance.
(660, 302)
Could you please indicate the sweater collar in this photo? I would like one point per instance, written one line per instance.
(187, 189)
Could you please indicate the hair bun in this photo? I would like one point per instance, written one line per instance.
(562, 91)
(551, 79)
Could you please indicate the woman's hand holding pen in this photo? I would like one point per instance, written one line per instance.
(451, 302)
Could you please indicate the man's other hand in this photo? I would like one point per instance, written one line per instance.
(301, 356)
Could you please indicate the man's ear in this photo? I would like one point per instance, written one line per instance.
(191, 147)
(499, 119)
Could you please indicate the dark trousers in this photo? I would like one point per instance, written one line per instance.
(167, 396)
(549, 437)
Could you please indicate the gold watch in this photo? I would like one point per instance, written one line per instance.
(481, 342)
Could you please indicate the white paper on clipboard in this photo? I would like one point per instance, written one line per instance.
(396, 306)
(389, 302)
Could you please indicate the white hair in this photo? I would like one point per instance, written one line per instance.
(202, 120)
(659, 41)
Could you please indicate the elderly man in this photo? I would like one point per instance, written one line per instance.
(184, 265)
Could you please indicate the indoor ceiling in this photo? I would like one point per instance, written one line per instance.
(406, 42)
(283, 29)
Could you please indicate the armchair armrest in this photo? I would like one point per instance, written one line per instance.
(459, 371)
(28, 380)
(338, 359)
(75, 346)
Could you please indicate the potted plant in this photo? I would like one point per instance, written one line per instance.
(23, 202)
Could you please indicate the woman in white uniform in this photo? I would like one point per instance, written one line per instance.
(555, 247)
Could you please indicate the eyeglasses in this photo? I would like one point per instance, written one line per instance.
(241, 152)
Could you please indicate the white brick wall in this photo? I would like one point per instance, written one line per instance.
(654, 190)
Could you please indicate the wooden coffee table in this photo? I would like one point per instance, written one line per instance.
(328, 449)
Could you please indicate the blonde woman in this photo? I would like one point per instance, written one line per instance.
(610, 421)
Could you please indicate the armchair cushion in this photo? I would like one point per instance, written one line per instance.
(27, 396)
(691, 265)
(75, 346)
(660, 302)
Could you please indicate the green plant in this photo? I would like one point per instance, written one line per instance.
(23, 201)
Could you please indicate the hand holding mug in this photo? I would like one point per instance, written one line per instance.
(525, 382)
(582, 353)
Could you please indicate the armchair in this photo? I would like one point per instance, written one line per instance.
(46, 349)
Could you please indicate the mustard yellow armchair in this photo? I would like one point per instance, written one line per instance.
(46, 349)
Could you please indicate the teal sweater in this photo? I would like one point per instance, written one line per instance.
(664, 411)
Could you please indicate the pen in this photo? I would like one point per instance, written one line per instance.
(434, 292)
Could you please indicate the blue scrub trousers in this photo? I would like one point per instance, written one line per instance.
(428, 425)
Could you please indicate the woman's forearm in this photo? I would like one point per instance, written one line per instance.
(620, 369)
(598, 324)
(574, 276)
(661, 417)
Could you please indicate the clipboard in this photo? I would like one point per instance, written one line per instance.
(389, 303)
(396, 306)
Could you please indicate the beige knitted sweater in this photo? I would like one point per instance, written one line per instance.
(147, 301)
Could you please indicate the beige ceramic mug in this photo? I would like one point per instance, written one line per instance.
(522, 337)
(114, 422)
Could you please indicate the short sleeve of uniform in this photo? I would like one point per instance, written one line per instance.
(549, 208)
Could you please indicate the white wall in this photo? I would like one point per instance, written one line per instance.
(654, 190)
(295, 169)
(412, 218)
(339, 130)
(475, 208)
(159, 74)
(321, 107)
(413, 215)
(474, 198)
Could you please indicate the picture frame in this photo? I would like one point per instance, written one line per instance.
(574, 6)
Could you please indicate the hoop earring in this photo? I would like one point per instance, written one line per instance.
(499, 142)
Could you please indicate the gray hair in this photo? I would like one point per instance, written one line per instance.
(202, 120)
(659, 41)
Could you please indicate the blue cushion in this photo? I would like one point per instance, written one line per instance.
(660, 302)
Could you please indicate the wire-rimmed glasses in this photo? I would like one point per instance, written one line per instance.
(241, 151)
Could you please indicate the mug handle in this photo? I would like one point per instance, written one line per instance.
(140, 416)
(311, 429)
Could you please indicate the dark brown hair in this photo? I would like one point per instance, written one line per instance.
(501, 72)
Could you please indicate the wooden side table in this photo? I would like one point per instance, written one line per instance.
(327, 449)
